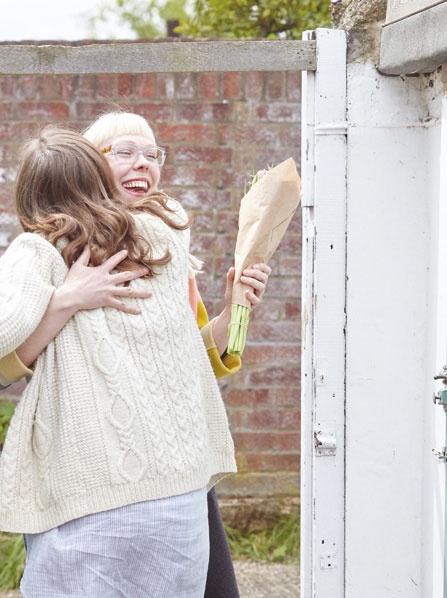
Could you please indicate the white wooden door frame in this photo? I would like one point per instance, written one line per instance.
(324, 151)
(440, 486)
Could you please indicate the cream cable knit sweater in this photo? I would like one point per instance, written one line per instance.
(121, 408)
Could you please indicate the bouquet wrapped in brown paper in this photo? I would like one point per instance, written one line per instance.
(265, 213)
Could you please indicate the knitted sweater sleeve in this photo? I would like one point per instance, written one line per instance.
(26, 270)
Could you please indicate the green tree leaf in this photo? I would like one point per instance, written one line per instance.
(226, 19)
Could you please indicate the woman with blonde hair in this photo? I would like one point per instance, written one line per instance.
(128, 142)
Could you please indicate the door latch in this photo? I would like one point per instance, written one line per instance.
(442, 454)
(440, 398)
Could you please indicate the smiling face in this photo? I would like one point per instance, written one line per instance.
(136, 180)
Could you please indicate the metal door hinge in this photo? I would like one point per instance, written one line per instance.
(325, 442)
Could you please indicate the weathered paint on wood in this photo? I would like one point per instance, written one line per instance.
(392, 506)
(324, 319)
(145, 57)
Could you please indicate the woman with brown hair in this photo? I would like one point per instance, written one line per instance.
(121, 429)
(91, 287)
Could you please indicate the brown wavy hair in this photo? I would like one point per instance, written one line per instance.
(65, 191)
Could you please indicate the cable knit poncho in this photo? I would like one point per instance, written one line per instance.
(121, 408)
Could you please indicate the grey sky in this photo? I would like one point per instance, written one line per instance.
(51, 20)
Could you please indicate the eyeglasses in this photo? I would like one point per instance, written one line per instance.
(128, 153)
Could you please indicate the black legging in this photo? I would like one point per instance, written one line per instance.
(221, 579)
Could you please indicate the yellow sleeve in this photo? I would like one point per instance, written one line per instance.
(222, 366)
(12, 369)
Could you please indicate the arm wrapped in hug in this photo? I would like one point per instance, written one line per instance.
(28, 269)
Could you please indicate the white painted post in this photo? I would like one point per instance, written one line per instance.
(324, 281)
(438, 473)
(392, 325)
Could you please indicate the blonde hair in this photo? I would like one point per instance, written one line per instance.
(65, 190)
(109, 126)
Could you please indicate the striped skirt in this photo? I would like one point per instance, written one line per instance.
(156, 549)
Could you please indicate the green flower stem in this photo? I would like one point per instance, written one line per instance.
(237, 329)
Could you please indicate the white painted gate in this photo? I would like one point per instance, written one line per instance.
(374, 168)
(323, 166)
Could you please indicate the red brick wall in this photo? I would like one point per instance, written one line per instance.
(218, 128)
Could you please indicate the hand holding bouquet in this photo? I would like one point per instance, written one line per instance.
(265, 213)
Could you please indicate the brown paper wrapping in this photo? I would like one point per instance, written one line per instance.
(265, 213)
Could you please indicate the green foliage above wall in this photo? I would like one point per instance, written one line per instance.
(225, 19)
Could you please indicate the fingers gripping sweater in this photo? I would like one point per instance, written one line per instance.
(121, 408)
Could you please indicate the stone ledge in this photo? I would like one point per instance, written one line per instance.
(407, 48)
(260, 484)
